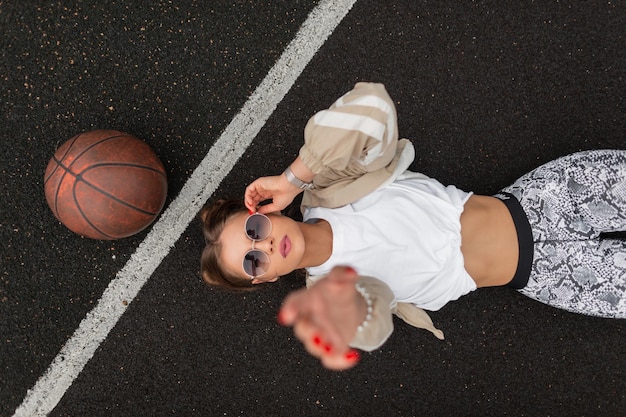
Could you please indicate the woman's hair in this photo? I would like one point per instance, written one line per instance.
(214, 218)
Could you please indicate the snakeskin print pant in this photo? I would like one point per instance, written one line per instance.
(573, 204)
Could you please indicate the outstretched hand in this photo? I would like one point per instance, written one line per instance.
(275, 188)
(326, 316)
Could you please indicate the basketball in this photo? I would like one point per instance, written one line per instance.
(105, 184)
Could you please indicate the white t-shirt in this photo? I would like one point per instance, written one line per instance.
(407, 234)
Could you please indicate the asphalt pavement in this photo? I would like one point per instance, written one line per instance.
(486, 90)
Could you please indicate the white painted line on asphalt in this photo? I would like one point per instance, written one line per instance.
(80, 348)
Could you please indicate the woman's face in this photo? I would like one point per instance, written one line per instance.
(284, 246)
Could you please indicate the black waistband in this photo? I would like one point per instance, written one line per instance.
(524, 239)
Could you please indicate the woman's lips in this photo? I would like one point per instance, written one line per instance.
(285, 246)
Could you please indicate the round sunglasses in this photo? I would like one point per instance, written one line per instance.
(256, 262)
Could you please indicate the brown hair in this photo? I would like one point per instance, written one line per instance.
(214, 218)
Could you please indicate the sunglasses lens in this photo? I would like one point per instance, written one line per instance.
(258, 227)
(255, 263)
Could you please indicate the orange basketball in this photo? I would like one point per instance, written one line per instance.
(105, 184)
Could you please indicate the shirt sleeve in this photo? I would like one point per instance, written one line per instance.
(357, 134)
(380, 326)
(384, 305)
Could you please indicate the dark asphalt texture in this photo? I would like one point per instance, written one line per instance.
(486, 90)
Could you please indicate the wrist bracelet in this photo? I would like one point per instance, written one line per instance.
(368, 301)
(291, 177)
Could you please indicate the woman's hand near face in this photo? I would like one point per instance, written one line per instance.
(275, 188)
(326, 316)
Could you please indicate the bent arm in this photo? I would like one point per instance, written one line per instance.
(358, 134)
(276, 188)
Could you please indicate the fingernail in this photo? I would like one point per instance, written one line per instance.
(349, 269)
(280, 318)
(328, 348)
(352, 356)
(251, 212)
(317, 340)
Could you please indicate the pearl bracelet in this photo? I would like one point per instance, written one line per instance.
(368, 301)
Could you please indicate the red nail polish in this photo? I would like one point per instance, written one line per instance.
(251, 212)
(317, 340)
(349, 269)
(280, 318)
(352, 356)
(328, 348)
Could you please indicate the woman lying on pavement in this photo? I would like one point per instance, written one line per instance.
(405, 242)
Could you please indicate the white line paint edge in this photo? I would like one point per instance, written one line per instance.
(221, 158)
